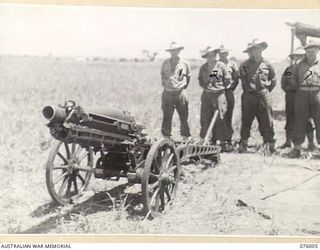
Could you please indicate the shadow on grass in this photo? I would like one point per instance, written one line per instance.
(101, 201)
(45, 209)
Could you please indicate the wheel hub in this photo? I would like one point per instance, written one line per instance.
(164, 178)
(72, 166)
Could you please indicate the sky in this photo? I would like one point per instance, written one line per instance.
(125, 32)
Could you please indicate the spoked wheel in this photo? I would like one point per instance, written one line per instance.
(160, 177)
(68, 171)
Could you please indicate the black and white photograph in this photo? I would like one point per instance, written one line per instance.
(159, 121)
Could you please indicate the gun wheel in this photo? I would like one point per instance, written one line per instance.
(68, 171)
(160, 177)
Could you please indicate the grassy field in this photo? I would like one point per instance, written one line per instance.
(208, 199)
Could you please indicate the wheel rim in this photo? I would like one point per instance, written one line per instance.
(160, 177)
(67, 172)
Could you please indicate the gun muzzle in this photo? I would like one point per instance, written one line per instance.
(54, 114)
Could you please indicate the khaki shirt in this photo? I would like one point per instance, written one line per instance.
(174, 77)
(307, 75)
(287, 80)
(257, 76)
(216, 79)
(234, 72)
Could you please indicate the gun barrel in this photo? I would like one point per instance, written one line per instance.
(94, 126)
(54, 114)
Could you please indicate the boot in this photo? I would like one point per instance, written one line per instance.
(243, 146)
(311, 146)
(296, 152)
(223, 147)
(288, 142)
(230, 146)
(268, 148)
(272, 147)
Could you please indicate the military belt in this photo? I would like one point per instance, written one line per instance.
(310, 88)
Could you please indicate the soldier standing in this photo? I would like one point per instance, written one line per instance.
(258, 80)
(290, 88)
(234, 72)
(306, 78)
(213, 78)
(175, 75)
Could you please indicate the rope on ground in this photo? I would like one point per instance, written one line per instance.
(288, 188)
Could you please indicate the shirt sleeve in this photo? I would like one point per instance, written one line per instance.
(200, 77)
(235, 67)
(235, 76)
(188, 69)
(272, 77)
(284, 80)
(272, 74)
(162, 69)
(242, 73)
(162, 73)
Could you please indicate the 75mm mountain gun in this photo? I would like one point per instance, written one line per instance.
(123, 150)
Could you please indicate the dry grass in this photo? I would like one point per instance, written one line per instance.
(207, 200)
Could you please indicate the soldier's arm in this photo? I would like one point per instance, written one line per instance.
(284, 80)
(188, 75)
(188, 81)
(272, 78)
(162, 73)
(235, 76)
(243, 78)
(200, 78)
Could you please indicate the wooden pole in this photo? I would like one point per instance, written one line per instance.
(213, 121)
(293, 32)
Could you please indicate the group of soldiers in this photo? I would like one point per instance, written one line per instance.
(219, 79)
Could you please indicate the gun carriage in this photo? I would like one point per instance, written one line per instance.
(124, 150)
